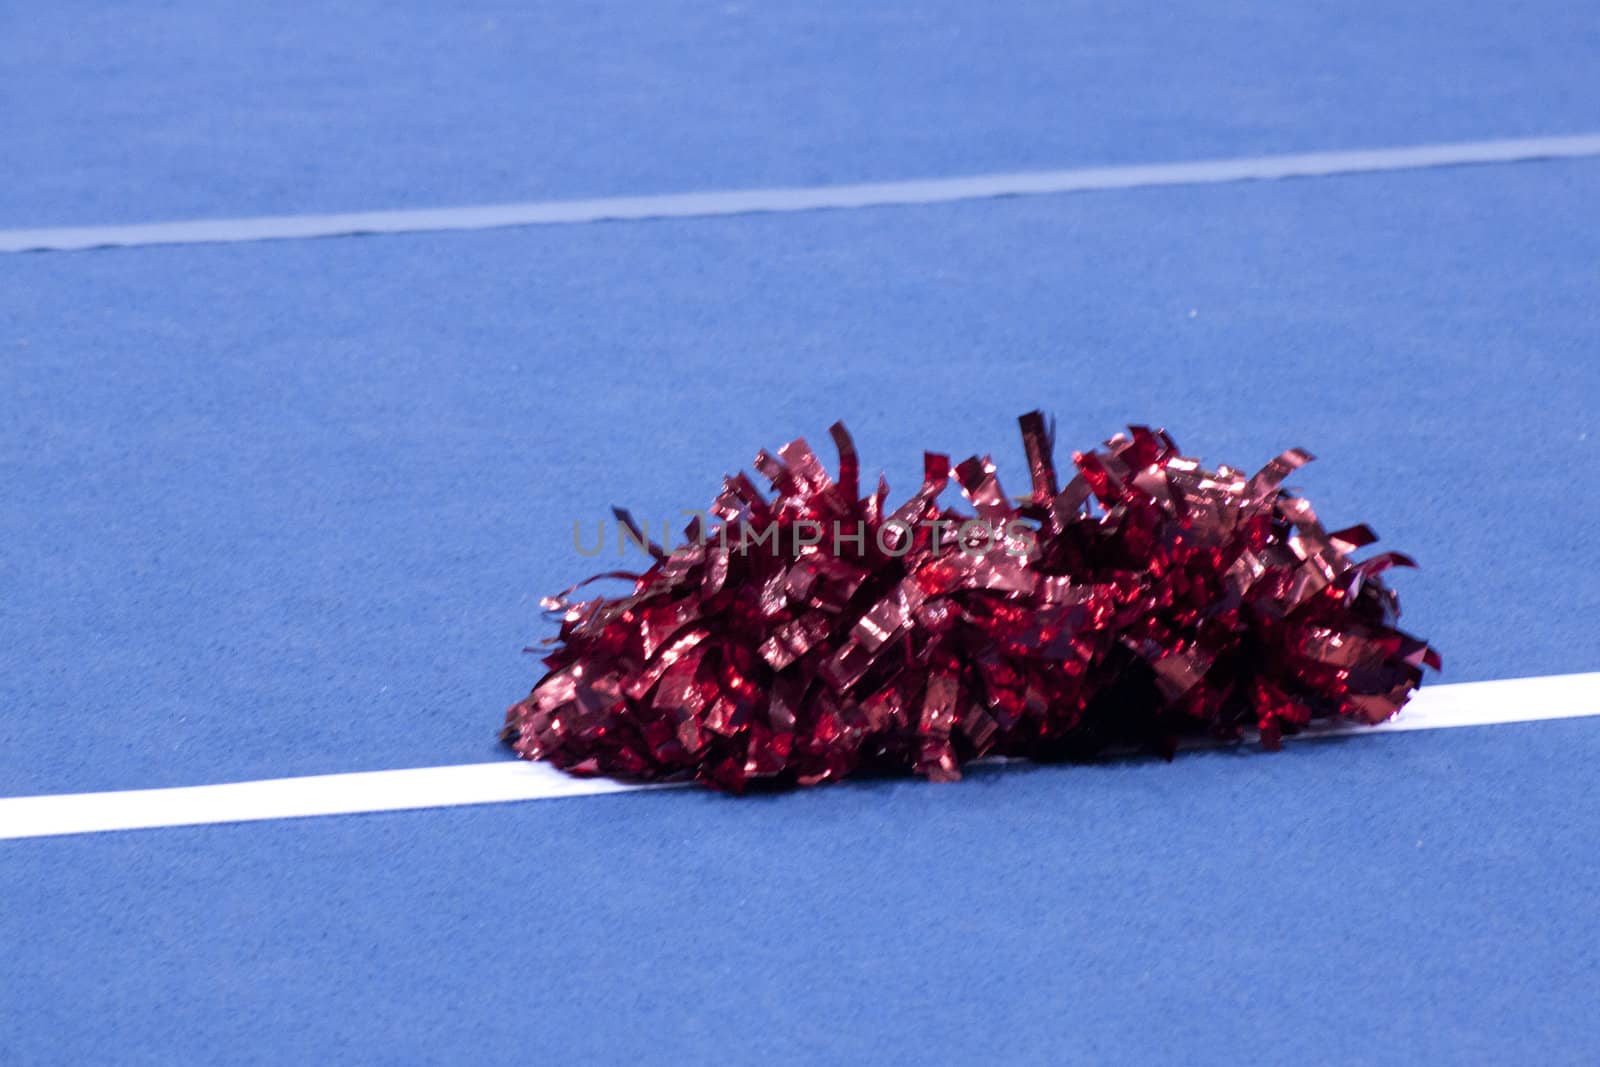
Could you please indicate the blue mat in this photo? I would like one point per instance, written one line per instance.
(1389, 899)
(184, 109)
(287, 508)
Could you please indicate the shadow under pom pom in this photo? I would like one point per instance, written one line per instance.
(802, 638)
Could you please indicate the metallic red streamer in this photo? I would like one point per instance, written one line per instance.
(799, 639)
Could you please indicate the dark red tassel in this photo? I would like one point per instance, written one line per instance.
(799, 639)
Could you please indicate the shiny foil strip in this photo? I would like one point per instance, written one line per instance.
(797, 639)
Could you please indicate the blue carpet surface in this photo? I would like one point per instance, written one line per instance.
(1403, 899)
(128, 113)
(288, 508)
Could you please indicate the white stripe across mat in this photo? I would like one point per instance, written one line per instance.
(1561, 696)
(752, 201)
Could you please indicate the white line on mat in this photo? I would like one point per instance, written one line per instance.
(1561, 696)
(749, 201)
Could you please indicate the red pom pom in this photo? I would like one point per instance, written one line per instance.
(802, 638)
